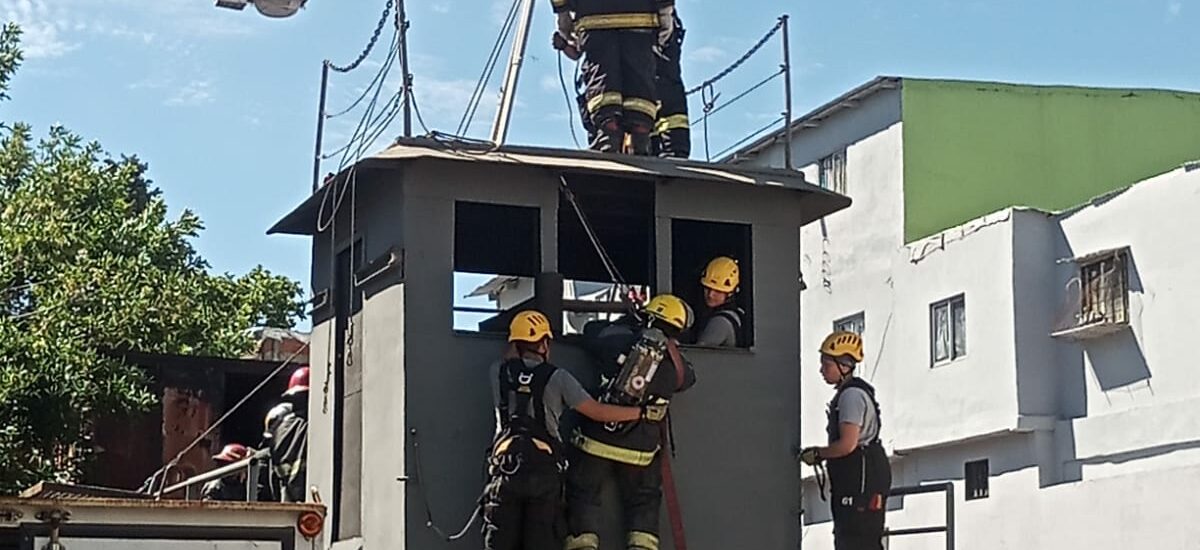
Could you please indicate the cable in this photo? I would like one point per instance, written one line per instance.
(709, 97)
(374, 82)
(425, 498)
(562, 81)
(740, 61)
(749, 137)
(742, 95)
(266, 380)
(387, 10)
(489, 67)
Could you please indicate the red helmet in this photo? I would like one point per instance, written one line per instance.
(232, 452)
(298, 382)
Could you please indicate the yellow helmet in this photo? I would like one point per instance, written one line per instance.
(671, 310)
(529, 326)
(842, 343)
(721, 274)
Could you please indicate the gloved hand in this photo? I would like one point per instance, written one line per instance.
(654, 412)
(566, 45)
(810, 456)
(566, 24)
(666, 25)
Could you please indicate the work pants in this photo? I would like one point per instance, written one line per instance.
(672, 135)
(619, 75)
(640, 489)
(523, 511)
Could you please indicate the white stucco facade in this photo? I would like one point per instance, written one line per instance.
(1091, 443)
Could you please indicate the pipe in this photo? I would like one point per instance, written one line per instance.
(316, 176)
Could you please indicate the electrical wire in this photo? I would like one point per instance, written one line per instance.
(750, 137)
(489, 68)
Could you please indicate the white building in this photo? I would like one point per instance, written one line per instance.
(1036, 356)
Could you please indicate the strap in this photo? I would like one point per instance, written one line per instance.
(541, 377)
(612, 452)
(677, 360)
(734, 316)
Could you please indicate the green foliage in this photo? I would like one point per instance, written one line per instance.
(90, 264)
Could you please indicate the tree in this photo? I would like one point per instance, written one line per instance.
(90, 264)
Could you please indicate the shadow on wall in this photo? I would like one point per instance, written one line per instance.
(1117, 361)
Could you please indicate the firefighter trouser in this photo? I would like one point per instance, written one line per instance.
(640, 489)
(672, 135)
(523, 511)
(618, 70)
(858, 486)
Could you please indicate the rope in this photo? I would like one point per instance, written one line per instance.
(387, 10)
(429, 524)
(609, 266)
(562, 81)
(175, 461)
(741, 61)
(822, 479)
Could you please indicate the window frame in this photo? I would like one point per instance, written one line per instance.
(532, 219)
(844, 322)
(953, 353)
(1103, 310)
(737, 235)
(976, 476)
(832, 171)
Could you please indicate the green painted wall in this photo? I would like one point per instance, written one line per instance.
(971, 148)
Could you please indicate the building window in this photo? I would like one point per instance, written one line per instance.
(856, 323)
(948, 329)
(497, 253)
(619, 217)
(976, 474)
(1105, 291)
(833, 172)
(694, 244)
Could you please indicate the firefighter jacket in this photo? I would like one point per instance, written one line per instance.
(593, 15)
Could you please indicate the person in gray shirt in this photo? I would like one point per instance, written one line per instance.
(724, 321)
(522, 505)
(859, 474)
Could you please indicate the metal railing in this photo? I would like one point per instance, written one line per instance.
(251, 465)
(948, 528)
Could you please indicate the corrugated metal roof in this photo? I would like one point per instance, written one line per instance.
(569, 161)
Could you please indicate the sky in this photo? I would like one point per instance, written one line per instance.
(222, 104)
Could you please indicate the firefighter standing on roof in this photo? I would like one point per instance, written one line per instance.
(859, 474)
(618, 39)
(724, 323)
(637, 353)
(523, 501)
(672, 135)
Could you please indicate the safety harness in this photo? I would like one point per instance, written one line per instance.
(523, 438)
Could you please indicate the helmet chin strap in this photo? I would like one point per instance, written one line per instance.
(844, 374)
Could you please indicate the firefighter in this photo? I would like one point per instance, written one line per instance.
(230, 487)
(618, 39)
(859, 474)
(287, 425)
(629, 453)
(523, 501)
(672, 135)
(724, 324)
